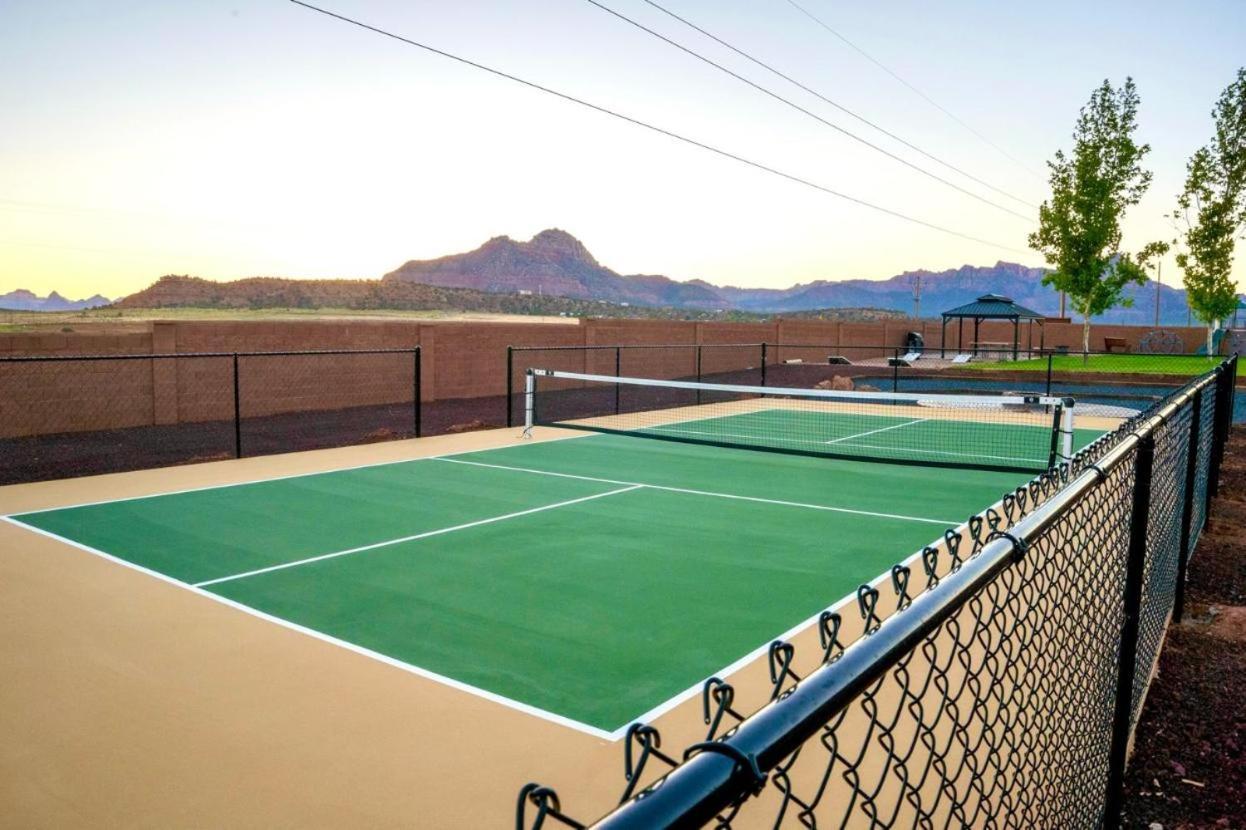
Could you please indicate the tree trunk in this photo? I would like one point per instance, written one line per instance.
(1085, 337)
(1211, 329)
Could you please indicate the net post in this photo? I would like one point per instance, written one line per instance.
(1134, 566)
(529, 403)
(1057, 434)
(1187, 505)
(510, 385)
(237, 413)
(618, 372)
(763, 364)
(417, 400)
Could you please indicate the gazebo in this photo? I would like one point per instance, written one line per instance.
(992, 307)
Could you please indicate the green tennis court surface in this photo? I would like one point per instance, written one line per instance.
(591, 581)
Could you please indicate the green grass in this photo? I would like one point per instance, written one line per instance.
(1119, 364)
(598, 608)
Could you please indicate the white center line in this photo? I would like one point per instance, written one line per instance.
(946, 523)
(413, 537)
(880, 429)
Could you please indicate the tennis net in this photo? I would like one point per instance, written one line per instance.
(1012, 433)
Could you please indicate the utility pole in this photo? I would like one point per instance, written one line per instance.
(1159, 279)
(917, 296)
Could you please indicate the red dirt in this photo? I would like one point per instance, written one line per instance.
(1188, 769)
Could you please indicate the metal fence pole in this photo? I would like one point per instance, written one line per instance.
(895, 371)
(510, 384)
(1187, 505)
(417, 396)
(237, 413)
(1135, 564)
(1220, 434)
(1050, 358)
(698, 372)
(618, 373)
(763, 364)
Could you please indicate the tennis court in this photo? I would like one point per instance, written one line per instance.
(593, 580)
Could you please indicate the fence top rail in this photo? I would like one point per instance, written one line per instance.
(53, 358)
(595, 346)
(711, 781)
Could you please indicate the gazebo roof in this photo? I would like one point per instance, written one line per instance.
(994, 307)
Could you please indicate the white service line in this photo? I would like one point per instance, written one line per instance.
(945, 523)
(880, 429)
(413, 537)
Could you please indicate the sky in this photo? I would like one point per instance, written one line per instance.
(227, 140)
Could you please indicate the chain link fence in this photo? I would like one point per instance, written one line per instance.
(999, 672)
(82, 415)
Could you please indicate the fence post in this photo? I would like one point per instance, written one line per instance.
(417, 395)
(1050, 358)
(1187, 505)
(698, 372)
(763, 364)
(618, 373)
(510, 384)
(237, 413)
(1134, 566)
(895, 371)
(1220, 434)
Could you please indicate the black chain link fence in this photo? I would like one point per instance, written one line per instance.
(1001, 692)
(83, 415)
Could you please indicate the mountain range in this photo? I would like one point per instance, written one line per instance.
(554, 273)
(556, 263)
(23, 300)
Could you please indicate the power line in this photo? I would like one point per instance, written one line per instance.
(914, 89)
(838, 106)
(660, 130)
(809, 113)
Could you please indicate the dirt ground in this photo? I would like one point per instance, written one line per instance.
(1188, 770)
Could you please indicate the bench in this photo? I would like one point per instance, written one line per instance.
(1116, 344)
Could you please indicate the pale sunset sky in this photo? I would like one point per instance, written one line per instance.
(256, 137)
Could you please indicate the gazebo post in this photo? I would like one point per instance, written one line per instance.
(960, 334)
(976, 338)
(943, 339)
(1016, 326)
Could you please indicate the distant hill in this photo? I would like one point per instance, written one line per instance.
(23, 300)
(274, 292)
(554, 273)
(552, 262)
(555, 262)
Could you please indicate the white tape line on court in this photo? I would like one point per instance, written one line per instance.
(780, 502)
(880, 429)
(419, 671)
(413, 537)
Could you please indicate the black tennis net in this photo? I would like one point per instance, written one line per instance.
(997, 432)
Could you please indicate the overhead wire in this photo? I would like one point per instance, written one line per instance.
(913, 88)
(654, 128)
(809, 113)
(769, 68)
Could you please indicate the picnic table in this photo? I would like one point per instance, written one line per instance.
(987, 347)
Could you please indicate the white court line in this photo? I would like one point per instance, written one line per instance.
(458, 685)
(880, 429)
(1042, 461)
(945, 523)
(413, 537)
(287, 477)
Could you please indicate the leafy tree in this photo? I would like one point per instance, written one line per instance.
(1079, 228)
(1215, 193)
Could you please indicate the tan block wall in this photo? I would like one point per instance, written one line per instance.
(460, 360)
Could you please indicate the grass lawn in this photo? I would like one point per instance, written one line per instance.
(1120, 364)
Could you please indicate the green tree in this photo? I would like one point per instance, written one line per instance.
(1212, 210)
(1079, 227)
